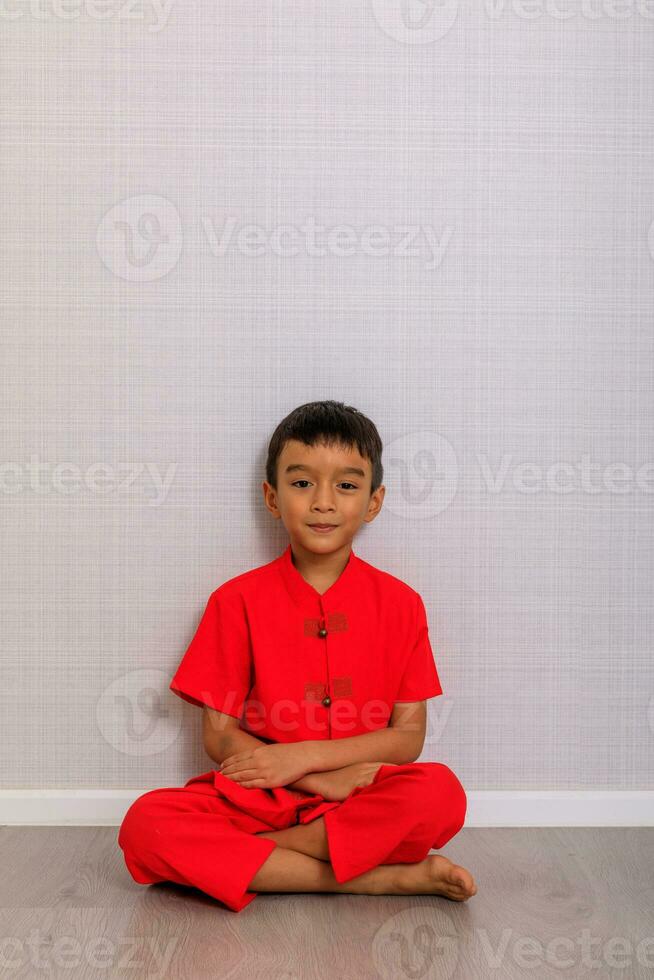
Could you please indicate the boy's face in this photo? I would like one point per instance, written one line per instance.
(314, 487)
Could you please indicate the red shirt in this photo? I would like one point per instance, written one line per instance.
(293, 664)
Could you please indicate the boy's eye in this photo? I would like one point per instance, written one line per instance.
(343, 484)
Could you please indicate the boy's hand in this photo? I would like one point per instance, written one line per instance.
(267, 766)
(337, 784)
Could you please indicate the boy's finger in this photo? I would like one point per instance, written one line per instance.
(241, 774)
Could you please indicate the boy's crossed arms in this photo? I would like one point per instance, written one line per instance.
(332, 767)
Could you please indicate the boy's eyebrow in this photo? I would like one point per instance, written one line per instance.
(345, 469)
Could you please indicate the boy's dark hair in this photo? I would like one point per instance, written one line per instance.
(328, 423)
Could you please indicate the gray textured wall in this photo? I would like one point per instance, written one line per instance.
(470, 262)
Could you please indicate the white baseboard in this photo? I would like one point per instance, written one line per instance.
(560, 808)
(486, 808)
(64, 807)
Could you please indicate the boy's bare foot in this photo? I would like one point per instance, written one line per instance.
(436, 875)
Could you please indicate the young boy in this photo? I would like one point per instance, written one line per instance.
(312, 672)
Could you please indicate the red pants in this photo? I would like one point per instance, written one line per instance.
(202, 834)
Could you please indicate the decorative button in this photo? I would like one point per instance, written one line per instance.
(322, 633)
(327, 701)
(334, 622)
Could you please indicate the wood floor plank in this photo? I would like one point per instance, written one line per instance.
(552, 902)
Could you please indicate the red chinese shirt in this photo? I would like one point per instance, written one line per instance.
(292, 664)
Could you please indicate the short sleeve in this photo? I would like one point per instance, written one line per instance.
(216, 669)
(420, 679)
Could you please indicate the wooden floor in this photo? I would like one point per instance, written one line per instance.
(556, 902)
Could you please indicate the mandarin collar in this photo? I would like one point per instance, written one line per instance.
(304, 594)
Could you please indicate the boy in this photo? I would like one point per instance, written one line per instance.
(312, 672)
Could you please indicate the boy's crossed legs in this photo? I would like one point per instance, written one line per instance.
(374, 842)
(301, 863)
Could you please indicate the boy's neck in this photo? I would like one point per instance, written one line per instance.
(320, 571)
